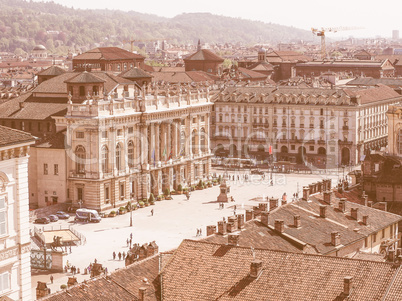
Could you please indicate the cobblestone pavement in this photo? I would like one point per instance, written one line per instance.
(172, 221)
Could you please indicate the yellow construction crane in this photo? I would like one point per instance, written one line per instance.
(321, 33)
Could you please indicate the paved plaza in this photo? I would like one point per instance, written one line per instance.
(172, 221)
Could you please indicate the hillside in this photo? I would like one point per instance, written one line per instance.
(25, 24)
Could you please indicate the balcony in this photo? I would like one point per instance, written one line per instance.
(84, 174)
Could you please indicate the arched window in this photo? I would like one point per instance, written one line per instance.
(194, 143)
(105, 159)
(80, 159)
(203, 141)
(118, 157)
(130, 153)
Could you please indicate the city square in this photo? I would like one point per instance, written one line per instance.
(172, 220)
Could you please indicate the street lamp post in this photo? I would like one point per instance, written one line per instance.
(131, 212)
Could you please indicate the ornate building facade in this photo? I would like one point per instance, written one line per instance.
(121, 148)
(15, 265)
(323, 127)
(394, 115)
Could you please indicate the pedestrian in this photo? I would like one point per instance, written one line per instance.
(105, 271)
(131, 236)
(152, 212)
(119, 256)
(70, 249)
(128, 241)
(198, 232)
(114, 255)
(124, 255)
(51, 279)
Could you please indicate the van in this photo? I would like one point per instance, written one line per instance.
(87, 215)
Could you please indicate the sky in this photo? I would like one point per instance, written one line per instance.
(373, 20)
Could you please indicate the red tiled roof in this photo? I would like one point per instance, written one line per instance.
(9, 136)
(206, 271)
(53, 70)
(84, 77)
(377, 93)
(107, 53)
(204, 55)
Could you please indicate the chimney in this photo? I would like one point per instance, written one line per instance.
(329, 184)
(233, 239)
(335, 238)
(342, 205)
(141, 293)
(365, 198)
(279, 225)
(249, 215)
(232, 224)
(382, 206)
(273, 203)
(391, 255)
(370, 203)
(211, 229)
(311, 188)
(306, 193)
(365, 220)
(327, 197)
(347, 285)
(222, 227)
(255, 268)
(263, 206)
(297, 221)
(353, 213)
(265, 218)
(319, 186)
(240, 221)
(323, 211)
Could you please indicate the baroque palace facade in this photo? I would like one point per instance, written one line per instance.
(122, 148)
(319, 126)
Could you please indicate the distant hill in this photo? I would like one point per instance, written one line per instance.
(59, 28)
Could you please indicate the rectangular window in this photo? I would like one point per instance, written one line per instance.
(80, 193)
(79, 134)
(56, 169)
(131, 130)
(119, 132)
(311, 148)
(3, 216)
(45, 169)
(104, 134)
(383, 233)
(4, 281)
(374, 237)
(107, 193)
(122, 190)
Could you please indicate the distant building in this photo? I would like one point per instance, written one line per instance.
(15, 265)
(375, 69)
(107, 59)
(394, 115)
(395, 34)
(204, 60)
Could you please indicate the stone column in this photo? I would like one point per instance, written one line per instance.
(151, 148)
(157, 144)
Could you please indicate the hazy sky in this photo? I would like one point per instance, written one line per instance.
(371, 15)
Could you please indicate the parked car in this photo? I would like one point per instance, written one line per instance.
(62, 215)
(257, 172)
(53, 218)
(42, 220)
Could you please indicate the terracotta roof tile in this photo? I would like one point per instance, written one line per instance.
(206, 271)
(9, 136)
(204, 55)
(107, 53)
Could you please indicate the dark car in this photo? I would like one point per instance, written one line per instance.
(62, 215)
(42, 220)
(53, 218)
(257, 172)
